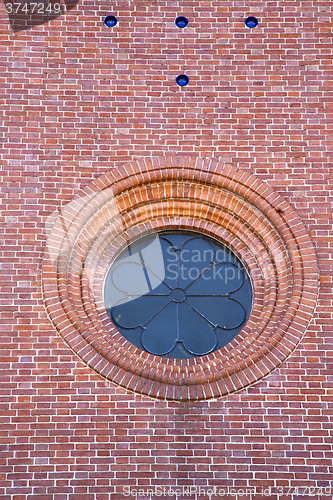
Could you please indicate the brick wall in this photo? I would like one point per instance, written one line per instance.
(79, 99)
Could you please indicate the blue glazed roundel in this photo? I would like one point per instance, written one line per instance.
(182, 80)
(110, 21)
(181, 22)
(178, 294)
(251, 22)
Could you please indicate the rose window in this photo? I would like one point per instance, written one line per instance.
(178, 294)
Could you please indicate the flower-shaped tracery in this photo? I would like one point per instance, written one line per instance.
(178, 294)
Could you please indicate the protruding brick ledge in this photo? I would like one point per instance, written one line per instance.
(202, 195)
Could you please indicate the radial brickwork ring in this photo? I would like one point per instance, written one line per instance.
(192, 194)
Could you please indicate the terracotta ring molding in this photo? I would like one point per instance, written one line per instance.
(202, 195)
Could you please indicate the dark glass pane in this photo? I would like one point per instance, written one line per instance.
(197, 334)
(244, 295)
(133, 335)
(218, 280)
(137, 312)
(225, 336)
(170, 263)
(195, 256)
(130, 278)
(222, 312)
(179, 351)
(160, 334)
(223, 255)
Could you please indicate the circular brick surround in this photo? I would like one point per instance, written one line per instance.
(181, 192)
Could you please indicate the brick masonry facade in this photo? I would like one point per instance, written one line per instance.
(92, 114)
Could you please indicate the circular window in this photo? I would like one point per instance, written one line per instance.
(110, 21)
(178, 294)
(251, 22)
(182, 80)
(181, 22)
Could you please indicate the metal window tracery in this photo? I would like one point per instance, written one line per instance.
(178, 294)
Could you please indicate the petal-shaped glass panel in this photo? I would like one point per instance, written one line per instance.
(197, 334)
(140, 269)
(223, 255)
(160, 334)
(221, 311)
(130, 278)
(225, 336)
(153, 258)
(137, 312)
(195, 256)
(170, 262)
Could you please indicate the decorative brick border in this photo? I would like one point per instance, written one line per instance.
(202, 195)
